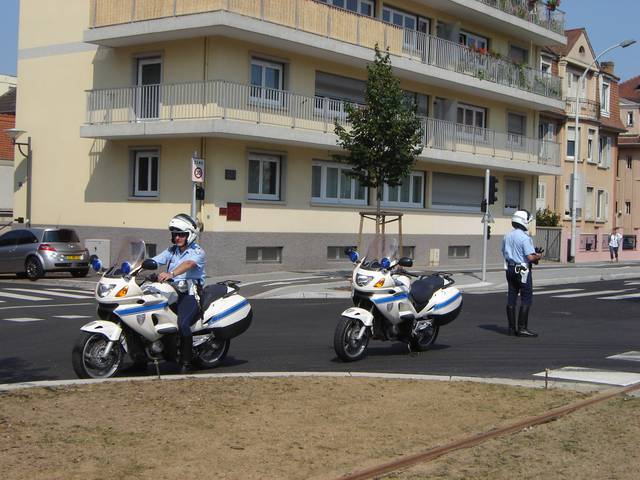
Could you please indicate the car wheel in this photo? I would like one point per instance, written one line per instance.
(80, 272)
(33, 268)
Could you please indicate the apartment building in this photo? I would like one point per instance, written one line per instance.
(118, 95)
(628, 187)
(598, 135)
(7, 121)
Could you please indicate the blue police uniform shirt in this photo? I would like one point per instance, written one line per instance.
(172, 257)
(516, 245)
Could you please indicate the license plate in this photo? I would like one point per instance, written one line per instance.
(74, 257)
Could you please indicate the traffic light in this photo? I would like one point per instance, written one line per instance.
(493, 190)
(199, 192)
(488, 232)
(483, 206)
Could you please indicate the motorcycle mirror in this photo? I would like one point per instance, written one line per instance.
(150, 264)
(405, 262)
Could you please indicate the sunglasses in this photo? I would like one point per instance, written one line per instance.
(179, 234)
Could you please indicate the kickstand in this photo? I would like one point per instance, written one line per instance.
(155, 362)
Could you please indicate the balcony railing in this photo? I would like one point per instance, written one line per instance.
(534, 12)
(218, 99)
(340, 24)
(588, 108)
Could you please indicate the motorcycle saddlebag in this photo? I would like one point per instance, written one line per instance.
(233, 329)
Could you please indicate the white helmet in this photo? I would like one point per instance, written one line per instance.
(183, 223)
(522, 217)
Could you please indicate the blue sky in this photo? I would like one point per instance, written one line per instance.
(607, 21)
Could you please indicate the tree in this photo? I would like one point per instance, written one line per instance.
(385, 135)
(547, 218)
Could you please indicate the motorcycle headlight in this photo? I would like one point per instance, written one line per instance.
(362, 280)
(103, 289)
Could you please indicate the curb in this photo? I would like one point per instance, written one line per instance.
(579, 387)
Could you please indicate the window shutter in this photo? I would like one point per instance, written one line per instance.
(606, 205)
(609, 151)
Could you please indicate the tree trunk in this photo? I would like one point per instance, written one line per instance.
(378, 218)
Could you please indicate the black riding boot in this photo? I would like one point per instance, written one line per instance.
(186, 354)
(523, 322)
(511, 317)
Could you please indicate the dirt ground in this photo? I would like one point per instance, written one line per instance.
(300, 428)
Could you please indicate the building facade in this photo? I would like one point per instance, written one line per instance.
(134, 89)
(598, 151)
(628, 178)
(7, 121)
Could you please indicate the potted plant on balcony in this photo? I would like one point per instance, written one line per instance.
(552, 5)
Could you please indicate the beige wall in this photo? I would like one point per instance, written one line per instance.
(628, 186)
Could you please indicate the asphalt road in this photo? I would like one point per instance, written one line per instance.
(37, 335)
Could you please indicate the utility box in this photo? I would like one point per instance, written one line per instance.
(101, 248)
(434, 257)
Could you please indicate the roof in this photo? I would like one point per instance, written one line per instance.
(631, 89)
(8, 101)
(572, 37)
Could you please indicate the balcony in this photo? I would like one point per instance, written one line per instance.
(536, 13)
(420, 54)
(589, 109)
(221, 108)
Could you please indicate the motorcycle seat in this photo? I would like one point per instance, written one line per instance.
(422, 290)
(211, 293)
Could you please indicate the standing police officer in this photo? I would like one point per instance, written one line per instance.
(519, 253)
(185, 262)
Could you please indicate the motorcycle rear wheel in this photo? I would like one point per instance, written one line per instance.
(425, 339)
(211, 353)
(345, 342)
(86, 356)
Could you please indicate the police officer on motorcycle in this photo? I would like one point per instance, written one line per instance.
(185, 262)
(519, 254)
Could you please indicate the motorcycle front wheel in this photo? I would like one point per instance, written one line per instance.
(88, 360)
(211, 353)
(425, 338)
(346, 343)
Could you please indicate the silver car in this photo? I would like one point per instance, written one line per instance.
(32, 252)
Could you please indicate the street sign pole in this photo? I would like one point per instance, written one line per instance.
(485, 225)
(197, 177)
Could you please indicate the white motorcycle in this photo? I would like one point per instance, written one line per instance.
(138, 317)
(388, 306)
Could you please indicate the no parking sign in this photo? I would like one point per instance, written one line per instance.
(197, 170)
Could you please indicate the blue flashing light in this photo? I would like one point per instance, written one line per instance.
(385, 262)
(353, 256)
(126, 268)
(96, 264)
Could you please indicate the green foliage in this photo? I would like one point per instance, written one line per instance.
(547, 218)
(385, 135)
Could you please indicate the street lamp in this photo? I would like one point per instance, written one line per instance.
(576, 154)
(15, 133)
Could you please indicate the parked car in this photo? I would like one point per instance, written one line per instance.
(32, 252)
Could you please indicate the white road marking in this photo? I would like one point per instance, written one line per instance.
(47, 306)
(71, 317)
(593, 375)
(621, 297)
(257, 282)
(562, 290)
(283, 283)
(592, 294)
(17, 296)
(632, 283)
(49, 293)
(632, 356)
(22, 320)
(70, 290)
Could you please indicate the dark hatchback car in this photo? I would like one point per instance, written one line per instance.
(32, 252)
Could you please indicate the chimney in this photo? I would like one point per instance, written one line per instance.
(607, 67)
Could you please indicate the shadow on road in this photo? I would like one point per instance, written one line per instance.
(14, 369)
(495, 328)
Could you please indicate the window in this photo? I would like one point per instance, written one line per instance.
(572, 85)
(513, 196)
(264, 255)
(604, 157)
(629, 119)
(545, 66)
(457, 192)
(541, 196)
(408, 194)
(64, 235)
(399, 18)
(334, 91)
(605, 98)
(266, 81)
(409, 252)
(264, 177)
(629, 242)
(145, 174)
(363, 7)
(413, 27)
(518, 55)
(590, 146)
(588, 204)
(458, 251)
(420, 101)
(330, 183)
(471, 116)
(148, 80)
(517, 129)
(472, 40)
(10, 239)
(571, 142)
(629, 162)
(337, 253)
(601, 201)
(627, 208)
(151, 250)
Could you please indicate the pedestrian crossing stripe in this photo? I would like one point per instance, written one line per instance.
(23, 320)
(71, 317)
(628, 296)
(49, 293)
(632, 356)
(592, 294)
(562, 290)
(18, 296)
(68, 290)
(592, 375)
